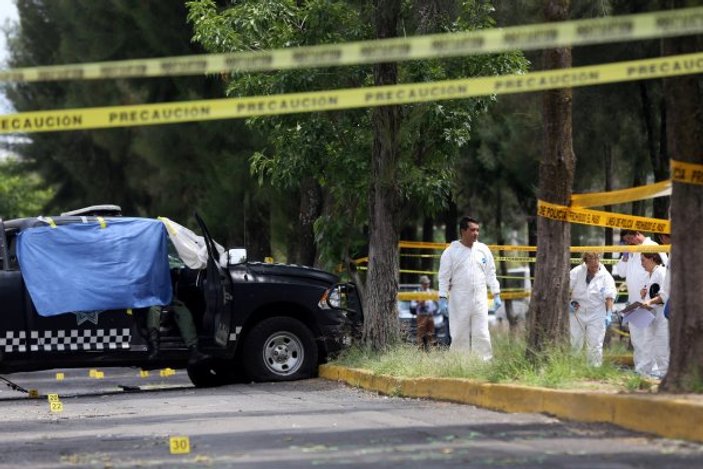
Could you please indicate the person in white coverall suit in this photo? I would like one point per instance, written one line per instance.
(630, 267)
(466, 268)
(656, 335)
(592, 292)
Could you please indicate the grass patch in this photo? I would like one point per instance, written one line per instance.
(558, 368)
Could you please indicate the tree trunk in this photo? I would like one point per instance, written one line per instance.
(508, 303)
(428, 263)
(381, 325)
(308, 211)
(685, 140)
(547, 318)
(608, 166)
(257, 220)
(451, 221)
(409, 262)
(658, 158)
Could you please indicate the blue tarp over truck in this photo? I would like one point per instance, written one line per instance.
(119, 263)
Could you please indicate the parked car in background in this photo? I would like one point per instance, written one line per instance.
(408, 319)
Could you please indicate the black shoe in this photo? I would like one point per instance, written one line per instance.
(196, 355)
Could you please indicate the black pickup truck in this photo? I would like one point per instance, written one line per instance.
(256, 321)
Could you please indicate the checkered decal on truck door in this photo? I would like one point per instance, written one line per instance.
(66, 340)
(14, 341)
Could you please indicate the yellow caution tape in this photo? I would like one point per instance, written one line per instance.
(689, 173)
(203, 110)
(492, 247)
(528, 37)
(625, 248)
(434, 295)
(598, 218)
(597, 199)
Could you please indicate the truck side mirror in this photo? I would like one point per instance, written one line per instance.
(236, 256)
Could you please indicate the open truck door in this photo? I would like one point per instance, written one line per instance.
(217, 287)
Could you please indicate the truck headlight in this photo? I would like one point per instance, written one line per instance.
(331, 298)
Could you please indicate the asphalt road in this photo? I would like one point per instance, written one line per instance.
(301, 424)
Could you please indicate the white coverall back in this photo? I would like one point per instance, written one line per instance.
(630, 267)
(464, 274)
(588, 321)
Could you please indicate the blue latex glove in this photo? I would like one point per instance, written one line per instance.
(608, 319)
(667, 309)
(443, 306)
(496, 301)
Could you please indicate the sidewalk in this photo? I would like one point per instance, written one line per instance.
(666, 415)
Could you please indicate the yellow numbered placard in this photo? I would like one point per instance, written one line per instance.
(143, 373)
(179, 444)
(167, 372)
(52, 397)
(99, 375)
(59, 376)
(92, 372)
(33, 394)
(56, 406)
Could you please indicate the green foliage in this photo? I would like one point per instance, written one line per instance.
(335, 147)
(170, 170)
(22, 193)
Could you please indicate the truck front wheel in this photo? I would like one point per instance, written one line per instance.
(280, 349)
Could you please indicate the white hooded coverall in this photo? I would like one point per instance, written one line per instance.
(630, 267)
(656, 335)
(588, 321)
(464, 274)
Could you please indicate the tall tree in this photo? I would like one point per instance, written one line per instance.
(685, 139)
(546, 320)
(381, 326)
(168, 170)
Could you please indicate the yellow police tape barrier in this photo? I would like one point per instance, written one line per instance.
(585, 216)
(689, 173)
(528, 37)
(434, 295)
(621, 196)
(518, 248)
(203, 110)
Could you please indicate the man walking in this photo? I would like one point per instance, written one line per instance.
(466, 269)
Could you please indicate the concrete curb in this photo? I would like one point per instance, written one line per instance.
(668, 416)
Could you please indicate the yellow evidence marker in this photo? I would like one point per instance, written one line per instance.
(179, 444)
(56, 406)
(143, 373)
(59, 376)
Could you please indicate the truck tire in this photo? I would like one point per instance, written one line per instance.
(280, 349)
